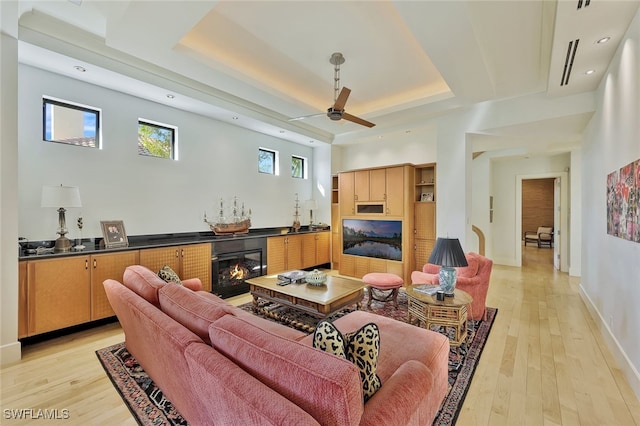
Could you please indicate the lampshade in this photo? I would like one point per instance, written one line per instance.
(60, 196)
(448, 252)
(310, 205)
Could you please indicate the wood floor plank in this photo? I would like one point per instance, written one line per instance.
(545, 363)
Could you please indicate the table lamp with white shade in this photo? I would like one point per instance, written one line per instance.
(61, 197)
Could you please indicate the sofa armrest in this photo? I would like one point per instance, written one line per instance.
(193, 284)
(404, 398)
(418, 277)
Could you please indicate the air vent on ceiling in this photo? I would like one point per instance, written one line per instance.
(568, 61)
(583, 3)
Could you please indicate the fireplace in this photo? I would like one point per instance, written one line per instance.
(234, 261)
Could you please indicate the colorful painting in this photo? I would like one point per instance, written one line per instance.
(623, 202)
(372, 238)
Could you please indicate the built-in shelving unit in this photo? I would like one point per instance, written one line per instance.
(425, 182)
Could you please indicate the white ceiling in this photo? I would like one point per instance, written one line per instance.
(258, 64)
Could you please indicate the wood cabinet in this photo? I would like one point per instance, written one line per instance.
(388, 193)
(347, 197)
(425, 232)
(23, 301)
(370, 185)
(424, 213)
(315, 249)
(394, 191)
(284, 253)
(103, 267)
(188, 261)
(336, 236)
(359, 266)
(59, 293)
(376, 191)
(297, 251)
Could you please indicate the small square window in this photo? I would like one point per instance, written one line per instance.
(298, 167)
(267, 161)
(157, 140)
(69, 123)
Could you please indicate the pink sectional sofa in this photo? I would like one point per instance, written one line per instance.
(219, 364)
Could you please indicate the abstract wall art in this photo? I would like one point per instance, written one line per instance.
(623, 202)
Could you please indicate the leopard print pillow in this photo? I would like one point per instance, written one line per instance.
(169, 275)
(360, 347)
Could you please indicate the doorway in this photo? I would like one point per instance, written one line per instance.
(538, 200)
(560, 221)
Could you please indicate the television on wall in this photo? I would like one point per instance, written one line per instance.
(381, 239)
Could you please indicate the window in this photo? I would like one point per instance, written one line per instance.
(298, 167)
(157, 140)
(73, 124)
(268, 161)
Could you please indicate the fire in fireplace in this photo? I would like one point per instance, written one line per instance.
(235, 261)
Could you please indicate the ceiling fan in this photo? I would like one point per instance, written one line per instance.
(336, 112)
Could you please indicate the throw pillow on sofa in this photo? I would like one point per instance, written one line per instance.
(360, 347)
(169, 275)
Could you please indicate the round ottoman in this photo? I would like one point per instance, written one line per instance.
(383, 287)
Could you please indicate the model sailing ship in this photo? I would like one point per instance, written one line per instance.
(238, 223)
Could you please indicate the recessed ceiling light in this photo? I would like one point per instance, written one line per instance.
(170, 96)
(79, 68)
(589, 72)
(603, 40)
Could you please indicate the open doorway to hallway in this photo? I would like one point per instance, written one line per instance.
(538, 201)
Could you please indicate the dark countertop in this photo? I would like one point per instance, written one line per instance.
(29, 249)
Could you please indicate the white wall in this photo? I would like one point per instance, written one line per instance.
(611, 265)
(150, 195)
(416, 147)
(506, 176)
(575, 217)
(480, 193)
(9, 345)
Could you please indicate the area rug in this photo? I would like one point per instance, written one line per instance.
(149, 407)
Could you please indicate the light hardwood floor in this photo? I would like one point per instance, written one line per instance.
(545, 363)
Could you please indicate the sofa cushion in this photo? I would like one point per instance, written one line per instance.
(192, 310)
(471, 270)
(323, 385)
(143, 282)
(169, 275)
(360, 347)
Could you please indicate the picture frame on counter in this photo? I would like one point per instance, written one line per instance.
(114, 234)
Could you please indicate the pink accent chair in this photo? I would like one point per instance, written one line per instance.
(474, 279)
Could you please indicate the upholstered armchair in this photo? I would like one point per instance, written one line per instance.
(542, 237)
(474, 279)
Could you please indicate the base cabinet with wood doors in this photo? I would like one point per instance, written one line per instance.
(188, 261)
(316, 249)
(297, 251)
(67, 291)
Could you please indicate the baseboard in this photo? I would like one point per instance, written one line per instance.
(627, 368)
(10, 353)
(505, 261)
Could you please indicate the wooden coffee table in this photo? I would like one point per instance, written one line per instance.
(336, 293)
(451, 312)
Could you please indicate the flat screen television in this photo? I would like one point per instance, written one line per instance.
(381, 239)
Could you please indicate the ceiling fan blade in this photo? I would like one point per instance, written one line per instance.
(342, 99)
(304, 117)
(357, 120)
